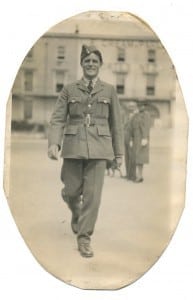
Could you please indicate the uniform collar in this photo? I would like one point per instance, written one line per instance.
(97, 87)
(86, 81)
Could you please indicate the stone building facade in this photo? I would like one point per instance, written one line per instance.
(138, 66)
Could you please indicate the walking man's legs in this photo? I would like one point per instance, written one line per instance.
(72, 177)
(83, 178)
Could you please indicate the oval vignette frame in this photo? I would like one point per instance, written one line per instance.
(142, 212)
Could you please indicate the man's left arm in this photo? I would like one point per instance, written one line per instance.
(116, 127)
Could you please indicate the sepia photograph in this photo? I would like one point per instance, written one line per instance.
(96, 150)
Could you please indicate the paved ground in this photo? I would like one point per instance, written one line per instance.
(135, 222)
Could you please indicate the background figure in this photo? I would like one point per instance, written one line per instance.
(140, 133)
(130, 165)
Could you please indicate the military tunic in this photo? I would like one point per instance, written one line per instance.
(93, 122)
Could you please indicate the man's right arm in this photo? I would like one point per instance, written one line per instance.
(56, 126)
(53, 152)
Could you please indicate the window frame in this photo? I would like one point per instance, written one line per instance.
(28, 109)
(61, 53)
(120, 83)
(27, 82)
(57, 82)
(151, 56)
(150, 85)
(121, 54)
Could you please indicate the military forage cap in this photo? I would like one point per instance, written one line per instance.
(87, 50)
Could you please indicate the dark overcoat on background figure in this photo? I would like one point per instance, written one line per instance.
(92, 122)
(130, 165)
(140, 130)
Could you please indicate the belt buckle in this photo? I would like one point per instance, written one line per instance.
(87, 120)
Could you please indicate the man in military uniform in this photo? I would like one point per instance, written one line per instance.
(89, 111)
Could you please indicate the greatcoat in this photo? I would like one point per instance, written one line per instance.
(92, 122)
(141, 130)
(130, 165)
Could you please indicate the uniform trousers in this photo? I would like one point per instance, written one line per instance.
(83, 181)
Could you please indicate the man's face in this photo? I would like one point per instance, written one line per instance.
(91, 65)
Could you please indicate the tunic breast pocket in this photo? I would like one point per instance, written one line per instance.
(75, 106)
(103, 107)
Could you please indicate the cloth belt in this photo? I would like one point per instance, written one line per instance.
(88, 121)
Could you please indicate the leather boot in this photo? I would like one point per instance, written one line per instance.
(85, 249)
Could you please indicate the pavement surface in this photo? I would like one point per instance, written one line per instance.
(135, 223)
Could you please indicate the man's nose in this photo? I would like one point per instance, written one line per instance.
(91, 62)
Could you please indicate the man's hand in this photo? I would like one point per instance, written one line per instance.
(144, 142)
(118, 161)
(131, 144)
(53, 151)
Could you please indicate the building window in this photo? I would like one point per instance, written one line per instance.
(28, 80)
(120, 85)
(151, 56)
(150, 90)
(59, 80)
(121, 54)
(61, 53)
(27, 110)
(150, 86)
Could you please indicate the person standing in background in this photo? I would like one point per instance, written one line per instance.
(130, 164)
(140, 136)
(90, 112)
